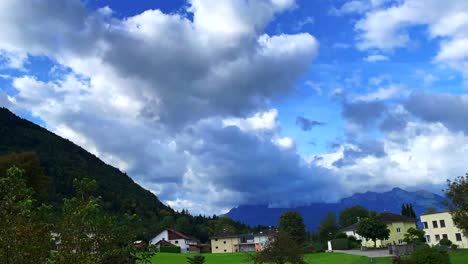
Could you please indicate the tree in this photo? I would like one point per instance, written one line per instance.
(328, 228)
(283, 249)
(198, 259)
(457, 201)
(351, 215)
(24, 229)
(293, 224)
(407, 210)
(414, 235)
(89, 235)
(373, 228)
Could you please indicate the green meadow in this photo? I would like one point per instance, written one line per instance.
(457, 257)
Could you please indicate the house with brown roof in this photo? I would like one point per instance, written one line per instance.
(172, 237)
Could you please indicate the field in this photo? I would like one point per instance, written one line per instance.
(457, 257)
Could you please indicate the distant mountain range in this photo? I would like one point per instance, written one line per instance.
(390, 201)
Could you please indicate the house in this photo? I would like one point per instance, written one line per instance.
(241, 243)
(172, 237)
(397, 224)
(440, 225)
(225, 243)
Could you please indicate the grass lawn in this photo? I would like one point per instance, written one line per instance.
(457, 257)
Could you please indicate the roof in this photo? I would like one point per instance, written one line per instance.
(179, 234)
(352, 227)
(224, 236)
(165, 243)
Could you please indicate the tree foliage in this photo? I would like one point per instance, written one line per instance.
(24, 227)
(283, 249)
(407, 210)
(457, 201)
(328, 227)
(373, 228)
(293, 224)
(198, 259)
(351, 215)
(414, 235)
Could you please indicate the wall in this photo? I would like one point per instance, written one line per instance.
(395, 236)
(163, 235)
(225, 245)
(450, 229)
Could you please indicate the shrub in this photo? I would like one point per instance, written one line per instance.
(173, 249)
(429, 255)
(400, 260)
(340, 244)
(445, 242)
(454, 246)
(316, 247)
(340, 235)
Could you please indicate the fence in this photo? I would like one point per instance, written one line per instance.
(401, 250)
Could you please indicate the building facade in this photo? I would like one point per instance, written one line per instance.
(225, 244)
(440, 225)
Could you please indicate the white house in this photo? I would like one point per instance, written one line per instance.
(262, 239)
(172, 237)
(351, 231)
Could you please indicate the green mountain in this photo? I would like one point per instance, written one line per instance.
(62, 161)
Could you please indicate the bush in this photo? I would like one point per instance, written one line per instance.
(340, 235)
(340, 244)
(445, 242)
(429, 255)
(316, 247)
(400, 260)
(454, 246)
(173, 249)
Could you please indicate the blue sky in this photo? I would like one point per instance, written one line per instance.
(211, 104)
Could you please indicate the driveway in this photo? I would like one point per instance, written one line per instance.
(367, 253)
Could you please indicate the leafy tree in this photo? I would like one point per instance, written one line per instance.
(293, 224)
(414, 235)
(198, 259)
(407, 210)
(373, 228)
(89, 235)
(283, 249)
(351, 215)
(328, 228)
(457, 200)
(24, 229)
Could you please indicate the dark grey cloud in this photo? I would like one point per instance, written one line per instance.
(449, 109)
(359, 150)
(307, 124)
(363, 113)
(393, 122)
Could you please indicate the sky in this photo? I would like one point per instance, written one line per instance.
(212, 104)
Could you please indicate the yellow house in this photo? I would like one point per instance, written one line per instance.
(225, 244)
(440, 225)
(397, 224)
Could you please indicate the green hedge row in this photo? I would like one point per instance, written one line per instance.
(173, 249)
(340, 244)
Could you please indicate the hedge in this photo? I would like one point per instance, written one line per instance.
(340, 243)
(170, 249)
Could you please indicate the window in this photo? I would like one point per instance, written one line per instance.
(442, 223)
(428, 238)
(458, 237)
(224, 242)
(400, 241)
(437, 237)
(434, 224)
(398, 230)
(425, 225)
(216, 247)
(224, 250)
(216, 239)
(444, 236)
(177, 242)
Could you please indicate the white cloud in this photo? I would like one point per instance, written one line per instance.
(380, 94)
(376, 58)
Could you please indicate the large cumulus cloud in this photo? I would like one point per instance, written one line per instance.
(176, 100)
